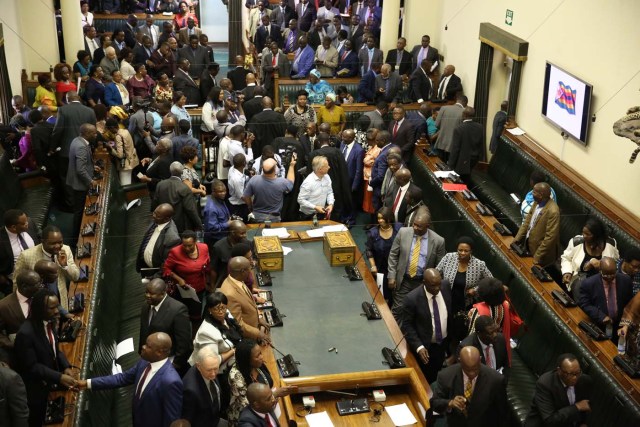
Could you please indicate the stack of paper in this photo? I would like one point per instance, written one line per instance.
(401, 415)
(278, 232)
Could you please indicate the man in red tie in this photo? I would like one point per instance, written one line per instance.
(260, 411)
(402, 133)
(490, 343)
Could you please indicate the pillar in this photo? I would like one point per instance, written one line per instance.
(235, 29)
(483, 79)
(389, 25)
(71, 29)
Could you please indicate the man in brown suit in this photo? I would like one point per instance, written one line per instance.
(540, 230)
(241, 303)
(14, 308)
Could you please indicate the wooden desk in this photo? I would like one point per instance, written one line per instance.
(603, 351)
(411, 381)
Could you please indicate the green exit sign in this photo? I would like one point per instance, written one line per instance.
(508, 17)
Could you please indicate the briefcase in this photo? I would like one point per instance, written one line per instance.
(269, 253)
(339, 248)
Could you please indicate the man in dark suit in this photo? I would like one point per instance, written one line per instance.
(402, 133)
(562, 396)
(396, 194)
(471, 394)
(378, 115)
(467, 145)
(354, 155)
(267, 29)
(14, 409)
(422, 308)
(238, 75)
(450, 84)
(162, 313)
(160, 237)
(130, 30)
(261, 406)
(290, 36)
(267, 125)
(177, 194)
(499, 120)
(158, 169)
(490, 343)
(388, 85)
(67, 127)
(425, 51)
(420, 85)
(413, 251)
(197, 56)
(208, 80)
(306, 12)
(157, 399)
(17, 235)
(348, 64)
(183, 82)
(254, 105)
(251, 86)
(597, 299)
(40, 142)
(143, 51)
(269, 67)
(80, 174)
(367, 85)
(201, 403)
(14, 308)
(399, 59)
(41, 364)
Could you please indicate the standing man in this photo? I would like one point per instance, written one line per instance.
(402, 133)
(425, 51)
(80, 174)
(397, 194)
(238, 75)
(221, 253)
(165, 314)
(201, 402)
(449, 117)
(540, 230)
(499, 121)
(196, 54)
(425, 321)
(562, 396)
(489, 342)
(264, 194)
(450, 85)
(354, 157)
(369, 55)
(303, 59)
(17, 235)
(161, 235)
(420, 84)
(158, 388)
(399, 59)
(413, 251)
(316, 194)
(306, 12)
(183, 82)
(380, 166)
(150, 30)
(467, 145)
(260, 411)
(15, 307)
(377, 116)
(176, 193)
(471, 394)
(267, 125)
(388, 85)
(16, 409)
(273, 62)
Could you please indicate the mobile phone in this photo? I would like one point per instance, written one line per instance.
(140, 175)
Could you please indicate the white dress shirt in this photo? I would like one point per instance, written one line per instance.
(348, 150)
(237, 180)
(235, 147)
(442, 310)
(24, 304)
(155, 367)
(155, 308)
(403, 191)
(148, 251)
(16, 246)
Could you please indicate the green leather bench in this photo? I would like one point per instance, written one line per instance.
(287, 89)
(546, 335)
(109, 25)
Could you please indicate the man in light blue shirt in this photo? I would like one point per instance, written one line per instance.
(316, 193)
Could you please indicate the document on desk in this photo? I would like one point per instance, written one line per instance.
(280, 232)
(380, 282)
(444, 174)
(401, 415)
(188, 293)
(124, 347)
(337, 227)
(321, 419)
(516, 131)
(286, 250)
(316, 232)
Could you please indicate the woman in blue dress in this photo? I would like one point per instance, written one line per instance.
(379, 241)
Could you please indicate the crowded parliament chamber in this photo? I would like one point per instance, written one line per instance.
(263, 213)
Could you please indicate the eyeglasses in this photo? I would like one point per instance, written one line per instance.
(219, 308)
(571, 374)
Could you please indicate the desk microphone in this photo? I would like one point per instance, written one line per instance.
(287, 365)
(393, 358)
(468, 193)
(352, 270)
(371, 309)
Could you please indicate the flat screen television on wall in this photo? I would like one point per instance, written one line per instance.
(567, 102)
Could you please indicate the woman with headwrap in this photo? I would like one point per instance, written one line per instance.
(332, 114)
(316, 88)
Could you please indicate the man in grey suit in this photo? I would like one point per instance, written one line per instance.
(14, 410)
(176, 193)
(388, 85)
(369, 55)
(414, 250)
(377, 116)
(449, 117)
(80, 174)
(151, 30)
(70, 118)
(196, 54)
(14, 308)
(160, 237)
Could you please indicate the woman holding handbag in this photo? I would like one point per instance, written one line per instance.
(123, 150)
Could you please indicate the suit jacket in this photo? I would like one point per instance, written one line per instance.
(367, 87)
(416, 316)
(183, 35)
(294, 42)
(248, 418)
(449, 117)
(305, 64)
(432, 55)
(173, 319)
(395, 86)
(314, 39)
(181, 82)
(399, 254)
(253, 107)
(198, 59)
(80, 172)
(261, 36)
(238, 76)
(487, 406)
(467, 144)
(140, 54)
(14, 410)
(499, 120)
(150, 32)
(544, 239)
(550, 405)
(198, 406)
(305, 20)
(162, 65)
(406, 61)
(355, 165)
(178, 195)
(159, 171)
(6, 252)
(453, 87)
(267, 125)
(282, 65)
(27, 261)
(67, 127)
(41, 142)
(349, 64)
(255, 20)
(206, 84)
(378, 172)
(167, 239)
(390, 196)
(242, 307)
(420, 85)
(499, 349)
(404, 138)
(330, 63)
(129, 35)
(594, 303)
(161, 402)
(11, 319)
(363, 57)
(377, 121)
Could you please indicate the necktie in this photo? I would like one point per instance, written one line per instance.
(399, 59)
(395, 203)
(386, 86)
(395, 129)
(28, 307)
(274, 61)
(611, 302)
(442, 85)
(287, 47)
(213, 389)
(152, 314)
(344, 55)
(487, 357)
(344, 152)
(415, 257)
(468, 390)
(142, 380)
(267, 421)
(52, 341)
(147, 236)
(23, 243)
(436, 320)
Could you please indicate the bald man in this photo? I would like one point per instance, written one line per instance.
(15, 307)
(47, 271)
(467, 146)
(471, 394)
(264, 194)
(251, 86)
(261, 406)
(267, 125)
(221, 253)
(396, 194)
(241, 303)
(157, 396)
(160, 237)
(450, 84)
(540, 230)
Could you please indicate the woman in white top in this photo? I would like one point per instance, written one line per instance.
(87, 17)
(125, 65)
(215, 103)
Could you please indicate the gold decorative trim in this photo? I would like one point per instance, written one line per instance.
(503, 50)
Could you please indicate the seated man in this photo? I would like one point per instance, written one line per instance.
(562, 396)
(489, 342)
(160, 237)
(316, 194)
(630, 265)
(14, 308)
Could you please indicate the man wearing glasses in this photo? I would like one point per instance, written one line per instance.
(562, 396)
